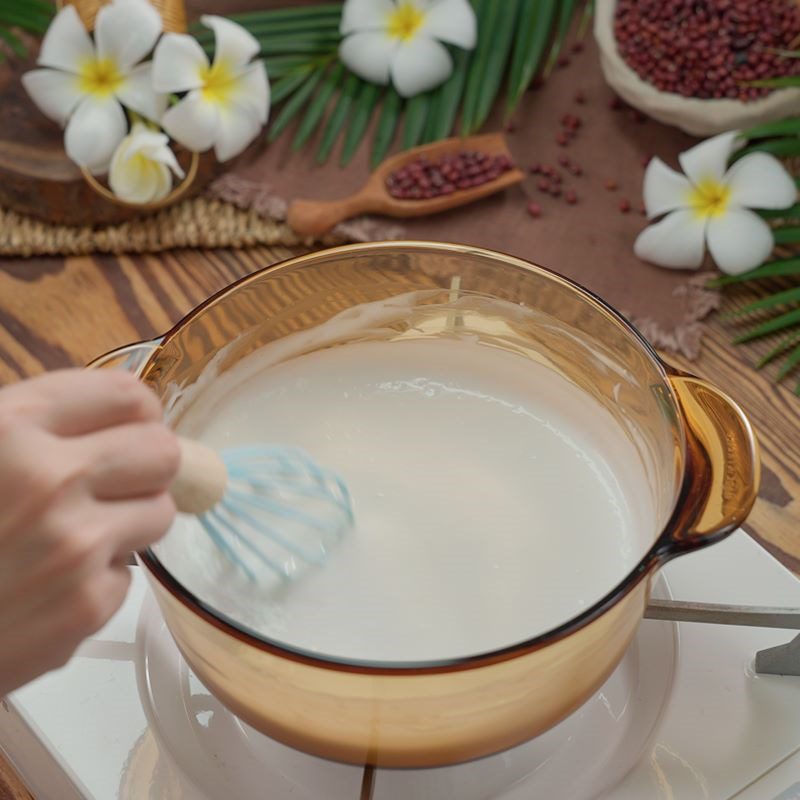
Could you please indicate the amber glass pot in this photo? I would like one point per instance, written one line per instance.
(696, 446)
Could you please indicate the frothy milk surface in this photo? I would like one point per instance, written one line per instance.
(493, 500)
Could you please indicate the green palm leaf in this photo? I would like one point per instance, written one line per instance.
(783, 298)
(784, 345)
(533, 33)
(779, 323)
(773, 269)
(30, 16)
(299, 45)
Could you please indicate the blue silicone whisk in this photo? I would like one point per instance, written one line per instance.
(263, 506)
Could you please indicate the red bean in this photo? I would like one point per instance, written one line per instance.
(571, 197)
(425, 179)
(534, 209)
(707, 49)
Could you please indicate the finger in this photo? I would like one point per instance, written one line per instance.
(136, 524)
(75, 402)
(131, 461)
(50, 635)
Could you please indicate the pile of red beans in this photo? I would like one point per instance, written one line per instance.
(422, 179)
(708, 48)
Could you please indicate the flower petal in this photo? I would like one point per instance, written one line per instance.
(193, 122)
(709, 159)
(237, 128)
(66, 44)
(137, 93)
(664, 189)
(178, 63)
(252, 91)
(139, 170)
(55, 92)
(94, 131)
(759, 180)
(677, 241)
(126, 31)
(451, 21)
(365, 15)
(369, 54)
(233, 45)
(739, 240)
(420, 64)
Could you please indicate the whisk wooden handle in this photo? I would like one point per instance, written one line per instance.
(201, 479)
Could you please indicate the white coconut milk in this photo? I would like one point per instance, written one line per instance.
(494, 501)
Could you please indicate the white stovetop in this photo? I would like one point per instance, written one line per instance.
(126, 721)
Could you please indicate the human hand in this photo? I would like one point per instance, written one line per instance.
(85, 464)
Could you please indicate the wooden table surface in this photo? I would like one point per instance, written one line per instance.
(61, 312)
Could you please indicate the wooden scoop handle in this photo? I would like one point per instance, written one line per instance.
(315, 217)
(201, 480)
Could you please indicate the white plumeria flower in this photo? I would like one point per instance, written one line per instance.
(402, 39)
(227, 102)
(710, 204)
(142, 166)
(85, 84)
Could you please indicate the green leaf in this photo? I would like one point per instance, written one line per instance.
(789, 364)
(770, 326)
(311, 46)
(415, 118)
(289, 83)
(488, 13)
(772, 269)
(316, 108)
(780, 213)
(294, 104)
(786, 235)
(777, 83)
(777, 147)
(386, 127)
(566, 10)
(34, 23)
(364, 105)
(778, 349)
(337, 118)
(280, 66)
(289, 27)
(494, 69)
(586, 18)
(445, 100)
(784, 127)
(13, 42)
(778, 299)
(783, 53)
(323, 11)
(533, 33)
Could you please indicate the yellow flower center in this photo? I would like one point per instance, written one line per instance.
(100, 77)
(404, 21)
(709, 198)
(219, 82)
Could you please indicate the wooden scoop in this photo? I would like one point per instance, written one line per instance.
(314, 217)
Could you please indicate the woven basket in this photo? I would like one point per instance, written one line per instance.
(173, 12)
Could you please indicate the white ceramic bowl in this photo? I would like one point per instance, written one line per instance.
(694, 116)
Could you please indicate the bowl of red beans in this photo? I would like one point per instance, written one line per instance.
(696, 64)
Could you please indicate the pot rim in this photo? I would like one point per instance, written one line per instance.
(662, 549)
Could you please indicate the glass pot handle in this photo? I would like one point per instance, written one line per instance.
(132, 357)
(722, 462)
